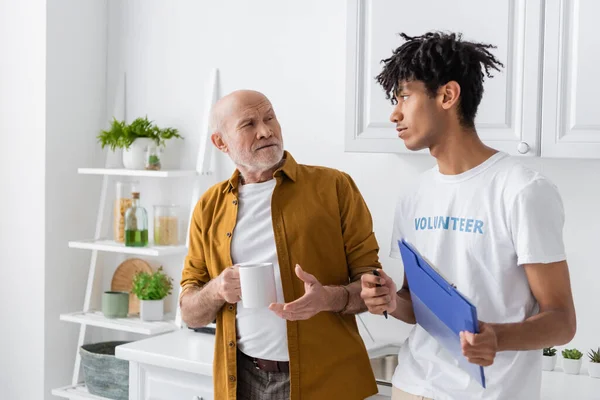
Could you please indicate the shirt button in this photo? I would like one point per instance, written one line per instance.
(228, 234)
(231, 378)
(235, 202)
(231, 344)
(230, 307)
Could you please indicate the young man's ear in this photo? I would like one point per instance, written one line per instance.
(217, 139)
(450, 93)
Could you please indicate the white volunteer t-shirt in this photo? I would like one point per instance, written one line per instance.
(478, 228)
(261, 333)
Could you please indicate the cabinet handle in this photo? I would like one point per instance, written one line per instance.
(523, 148)
(197, 398)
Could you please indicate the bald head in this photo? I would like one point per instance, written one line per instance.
(244, 125)
(226, 107)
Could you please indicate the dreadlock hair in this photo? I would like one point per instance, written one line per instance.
(437, 58)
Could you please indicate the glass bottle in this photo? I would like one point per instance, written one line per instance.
(153, 154)
(123, 201)
(136, 223)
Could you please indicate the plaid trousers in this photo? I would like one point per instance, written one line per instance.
(254, 384)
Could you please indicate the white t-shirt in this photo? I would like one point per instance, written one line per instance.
(478, 228)
(260, 332)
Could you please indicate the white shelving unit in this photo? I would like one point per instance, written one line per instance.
(129, 324)
(140, 173)
(88, 317)
(114, 247)
(76, 392)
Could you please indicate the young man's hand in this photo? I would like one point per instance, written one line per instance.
(480, 348)
(378, 299)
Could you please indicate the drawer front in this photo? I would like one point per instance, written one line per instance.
(157, 383)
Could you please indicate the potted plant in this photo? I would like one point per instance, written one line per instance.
(594, 365)
(572, 361)
(151, 289)
(549, 359)
(135, 139)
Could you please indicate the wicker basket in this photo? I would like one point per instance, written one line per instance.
(104, 374)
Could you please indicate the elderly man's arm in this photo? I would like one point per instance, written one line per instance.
(200, 305)
(361, 257)
(360, 243)
(201, 296)
(346, 299)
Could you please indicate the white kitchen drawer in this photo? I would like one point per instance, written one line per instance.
(156, 383)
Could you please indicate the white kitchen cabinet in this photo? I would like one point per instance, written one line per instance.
(543, 103)
(570, 115)
(148, 382)
(508, 117)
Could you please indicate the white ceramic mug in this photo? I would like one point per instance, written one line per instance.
(257, 282)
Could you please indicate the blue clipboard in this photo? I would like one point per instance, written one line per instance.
(440, 308)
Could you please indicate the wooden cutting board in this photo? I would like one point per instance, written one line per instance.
(122, 280)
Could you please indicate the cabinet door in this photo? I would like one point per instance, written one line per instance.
(570, 114)
(509, 112)
(155, 383)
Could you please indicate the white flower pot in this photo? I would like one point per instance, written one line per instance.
(549, 362)
(135, 156)
(152, 310)
(571, 366)
(594, 370)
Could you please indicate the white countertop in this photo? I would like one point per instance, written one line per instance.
(182, 350)
(189, 351)
(556, 385)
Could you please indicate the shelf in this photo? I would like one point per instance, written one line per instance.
(78, 392)
(129, 324)
(114, 247)
(174, 173)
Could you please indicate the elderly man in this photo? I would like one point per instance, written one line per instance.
(313, 225)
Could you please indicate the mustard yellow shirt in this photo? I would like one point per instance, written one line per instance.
(321, 222)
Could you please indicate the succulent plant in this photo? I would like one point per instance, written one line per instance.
(594, 355)
(549, 351)
(572, 354)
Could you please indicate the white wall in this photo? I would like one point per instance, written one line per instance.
(22, 214)
(75, 113)
(52, 105)
(295, 53)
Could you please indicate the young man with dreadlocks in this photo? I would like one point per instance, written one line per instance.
(491, 226)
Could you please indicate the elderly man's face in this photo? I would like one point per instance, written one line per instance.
(252, 133)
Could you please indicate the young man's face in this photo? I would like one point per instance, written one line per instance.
(418, 117)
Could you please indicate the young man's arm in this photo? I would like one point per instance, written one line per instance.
(554, 325)
(536, 221)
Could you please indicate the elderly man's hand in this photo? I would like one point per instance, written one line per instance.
(229, 285)
(315, 299)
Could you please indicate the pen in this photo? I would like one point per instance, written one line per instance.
(378, 285)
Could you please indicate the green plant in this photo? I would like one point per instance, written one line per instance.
(121, 135)
(152, 286)
(153, 160)
(549, 351)
(572, 354)
(594, 355)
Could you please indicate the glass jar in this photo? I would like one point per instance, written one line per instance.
(153, 153)
(123, 201)
(166, 225)
(136, 223)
